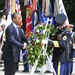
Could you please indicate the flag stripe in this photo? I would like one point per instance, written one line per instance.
(27, 2)
(62, 10)
(18, 9)
(18, 6)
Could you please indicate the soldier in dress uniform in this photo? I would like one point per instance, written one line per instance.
(62, 53)
(73, 38)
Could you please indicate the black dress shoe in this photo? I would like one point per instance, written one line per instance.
(16, 70)
(25, 70)
(47, 71)
(3, 70)
(0, 65)
(37, 71)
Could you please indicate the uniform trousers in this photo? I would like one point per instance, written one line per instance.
(59, 68)
(64, 68)
(72, 61)
(68, 68)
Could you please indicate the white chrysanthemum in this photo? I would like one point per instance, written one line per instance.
(29, 61)
(33, 56)
(37, 31)
(37, 41)
(43, 31)
(52, 34)
(31, 48)
(40, 25)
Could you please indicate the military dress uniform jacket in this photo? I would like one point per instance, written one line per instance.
(63, 53)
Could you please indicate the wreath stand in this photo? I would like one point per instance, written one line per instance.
(43, 51)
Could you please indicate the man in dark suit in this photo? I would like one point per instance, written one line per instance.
(11, 52)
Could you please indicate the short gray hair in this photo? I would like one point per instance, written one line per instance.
(14, 15)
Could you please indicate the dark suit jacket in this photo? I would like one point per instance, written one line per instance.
(13, 44)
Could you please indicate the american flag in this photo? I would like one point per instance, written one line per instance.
(27, 2)
(60, 9)
(18, 8)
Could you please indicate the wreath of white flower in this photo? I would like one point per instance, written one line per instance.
(35, 46)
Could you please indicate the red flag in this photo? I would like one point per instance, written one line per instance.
(28, 20)
(6, 6)
(34, 7)
(30, 7)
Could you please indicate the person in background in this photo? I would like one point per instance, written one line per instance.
(0, 21)
(1, 32)
(71, 30)
(3, 21)
(25, 63)
(2, 41)
(11, 50)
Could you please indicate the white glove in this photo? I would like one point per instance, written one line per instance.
(45, 41)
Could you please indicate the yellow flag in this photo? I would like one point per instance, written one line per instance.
(47, 8)
(13, 5)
